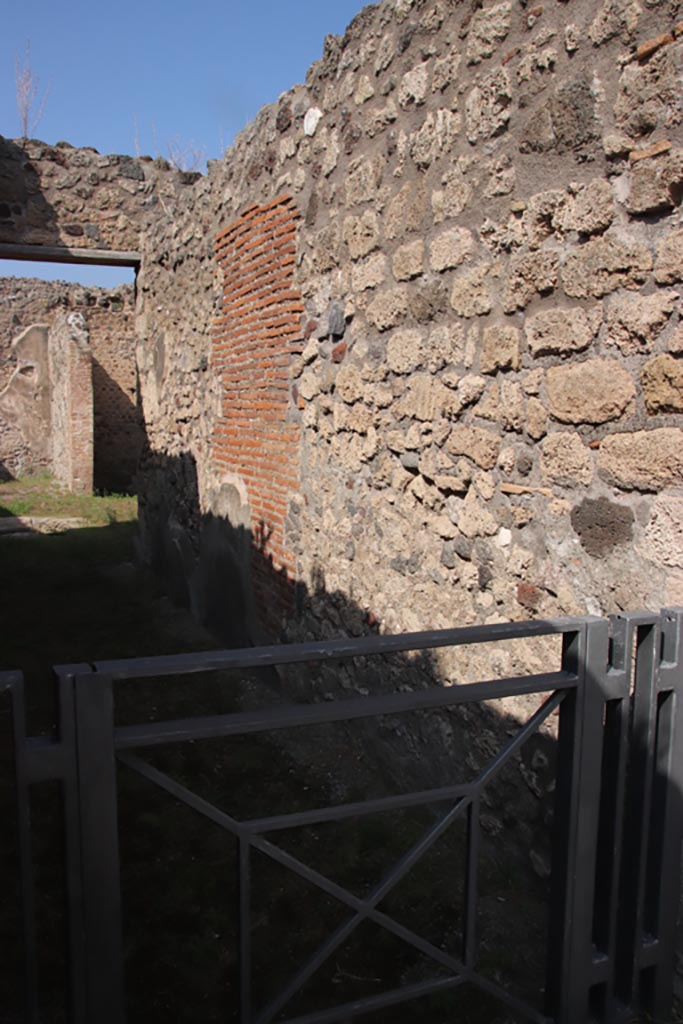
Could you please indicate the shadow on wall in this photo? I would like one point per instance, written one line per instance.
(223, 575)
(215, 564)
(118, 434)
(203, 562)
(25, 215)
(5, 475)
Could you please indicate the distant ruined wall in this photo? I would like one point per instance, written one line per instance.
(77, 198)
(490, 387)
(119, 435)
(25, 395)
(110, 315)
(46, 407)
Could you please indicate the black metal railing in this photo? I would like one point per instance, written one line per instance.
(616, 828)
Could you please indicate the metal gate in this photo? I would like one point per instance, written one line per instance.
(616, 833)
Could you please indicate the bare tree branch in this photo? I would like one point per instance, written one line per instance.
(26, 84)
(186, 156)
(136, 140)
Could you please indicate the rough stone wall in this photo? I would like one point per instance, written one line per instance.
(22, 304)
(490, 394)
(25, 405)
(71, 405)
(110, 315)
(58, 195)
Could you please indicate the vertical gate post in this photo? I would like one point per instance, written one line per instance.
(13, 683)
(638, 809)
(669, 770)
(577, 807)
(607, 936)
(64, 678)
(92, 847)
(664, 850)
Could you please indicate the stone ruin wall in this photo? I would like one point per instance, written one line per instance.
(25, 405)
(484, 389)
(486, 410)
(110, 316)
(46, 409)
(78, 198)
(464, 402)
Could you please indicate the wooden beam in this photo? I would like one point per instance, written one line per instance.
(62, 254)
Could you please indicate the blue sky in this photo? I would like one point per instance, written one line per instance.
(140, 74)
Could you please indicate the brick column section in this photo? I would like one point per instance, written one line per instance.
(71, 402)
(255, 338)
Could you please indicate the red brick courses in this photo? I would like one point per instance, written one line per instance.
(255, 336)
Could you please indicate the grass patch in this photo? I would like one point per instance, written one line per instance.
(40, 495)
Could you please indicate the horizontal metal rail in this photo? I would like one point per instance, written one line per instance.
(289, 716)
(331, 650)
(379, 1002)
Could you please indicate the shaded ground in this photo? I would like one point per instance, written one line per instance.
(78, 596)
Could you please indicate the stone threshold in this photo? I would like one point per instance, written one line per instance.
(13, 525)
